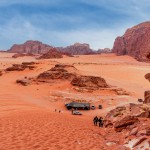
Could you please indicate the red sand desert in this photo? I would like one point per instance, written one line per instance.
(28, 120)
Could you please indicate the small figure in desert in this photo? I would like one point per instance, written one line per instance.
(95, 120)
(100, 122)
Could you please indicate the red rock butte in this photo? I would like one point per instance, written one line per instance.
(135, 42)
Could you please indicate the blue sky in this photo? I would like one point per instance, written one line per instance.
(64, 22)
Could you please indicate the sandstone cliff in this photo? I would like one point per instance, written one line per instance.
(135, 42)
(32, 47)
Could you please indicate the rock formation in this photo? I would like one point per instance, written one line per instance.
(60, 71)
(32, 47)
(71, 74)
(21, 55)
(23, 82)
(135, 42)
(52, 53)
(21, 67)
(77, 49)
(147, 97)
(89, 82)
(132, 121)
(147, 76)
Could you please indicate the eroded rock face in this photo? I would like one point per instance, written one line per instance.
(32, 47)
(89, 82)
(130, 122)
(77, 49)
(135, 42)
(124, 122)
(52, 53)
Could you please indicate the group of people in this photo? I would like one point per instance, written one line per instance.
(60, 111)
(98, 121)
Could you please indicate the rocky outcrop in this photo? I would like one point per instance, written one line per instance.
(133, 110)
(23, 82)
(71, 74)
(124, 122)
(147, 76)
(131, 121)
(21, 67)
(135, 42)
(60, 71)
(90, 82)
(52, 53)
(32, 47)
(77, 49)
(147, 97)
(21, 55)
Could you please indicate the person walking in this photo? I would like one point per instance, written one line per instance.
(100, 122)
(95, 120)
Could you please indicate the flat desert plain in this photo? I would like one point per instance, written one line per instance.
(28, 120)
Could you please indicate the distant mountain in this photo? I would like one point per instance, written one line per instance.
(32, 47)
(135, 42)
(77, 49)
(105, 50)
(37, 47)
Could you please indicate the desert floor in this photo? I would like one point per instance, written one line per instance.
(27, 117)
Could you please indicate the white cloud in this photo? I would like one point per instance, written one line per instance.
(19, 28)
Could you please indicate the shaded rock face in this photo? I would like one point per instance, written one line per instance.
(60, 71)
(52, 53)
(147, 76)
(147, 97)
(32, 47)
(77, 49)
(135, 42)
(89, 82)
(125, 121)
